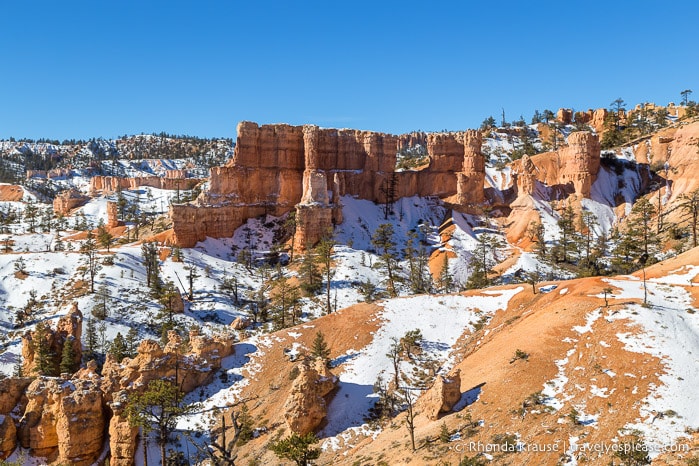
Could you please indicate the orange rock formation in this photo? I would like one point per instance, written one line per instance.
(277, 168)
(69, 200)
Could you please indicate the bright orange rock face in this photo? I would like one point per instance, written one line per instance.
(277, 168)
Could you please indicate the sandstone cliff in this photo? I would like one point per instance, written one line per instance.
(112, 184)
(63, 419)
(69, 200)
(278, 168)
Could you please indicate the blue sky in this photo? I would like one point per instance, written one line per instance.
(80, 69)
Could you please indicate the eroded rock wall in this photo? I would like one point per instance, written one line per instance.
(111, 184)
(277, 168)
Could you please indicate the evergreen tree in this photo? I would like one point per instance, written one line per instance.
(445, 281)
(101, 308)
(690, 206)
(685, 96)
(320, 347)
(43, 356)
(419, 274)
(89, 251)
(536, 118)
(325, 250)
(312, 280)
(297, 448)
(69, 361)
(566, 246)
(149, 252)
(104, 237)
(537, 235)
(483, 260)
(20, 266)
(131, 342)
(284, 299)
(91, 340)
(383, 241)
(191, 276)
(588, 222)
(119, 348)
(157, 410)
(31, 213)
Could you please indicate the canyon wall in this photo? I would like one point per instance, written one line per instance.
(111, 184)
(279, 168)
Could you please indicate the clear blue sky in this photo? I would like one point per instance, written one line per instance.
(80, 69)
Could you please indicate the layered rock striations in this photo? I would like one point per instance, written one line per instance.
(112, 184)
(69, 200)
(581, 161)
(279, 168)
(64, 418)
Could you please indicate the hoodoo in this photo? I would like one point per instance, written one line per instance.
(277, 168)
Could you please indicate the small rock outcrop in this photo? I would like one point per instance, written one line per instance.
(240, 323)
(68, 329)
(69, 200)
(11, 392)
(305, 408)
(64, 419)
(152, 362)
(472, 176)
(8, 436)
(442, 396)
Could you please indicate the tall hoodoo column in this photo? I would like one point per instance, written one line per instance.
(526, 177)
(581, 161)
(471, 179)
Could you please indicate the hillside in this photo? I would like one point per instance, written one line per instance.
(551, 281)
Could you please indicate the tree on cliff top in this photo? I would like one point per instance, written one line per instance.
(157, 410)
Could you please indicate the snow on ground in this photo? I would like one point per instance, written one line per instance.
(671, 333)
(441, 319)
(361, 218)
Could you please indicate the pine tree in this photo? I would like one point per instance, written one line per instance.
(483, 260)
(89, 250)
(445, 280)
(101, 308)
(149, 252)
(131, 342)
(444, 434)
(320, 347)
(690, 206)
(283, 300)
(312, 280)
(68, 357)
(91, 340)
(119, 348)
(566, 246)
(383, 241)
(325, 248)
(104, 237)
(191, 276)
(297, 448)
(417, 261)
(157, 410)
(43, 356)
